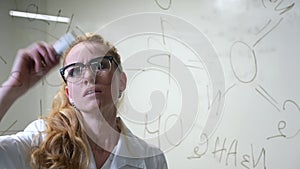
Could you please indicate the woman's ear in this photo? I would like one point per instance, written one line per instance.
(68, 94)
(123, 82)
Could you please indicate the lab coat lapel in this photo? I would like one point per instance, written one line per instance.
(130, 151)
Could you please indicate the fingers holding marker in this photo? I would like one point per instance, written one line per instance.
(36, 54)
(43, 57)
(40, 57)
(53, 59)
(49, 56)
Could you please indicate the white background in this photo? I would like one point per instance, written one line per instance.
(255, 124)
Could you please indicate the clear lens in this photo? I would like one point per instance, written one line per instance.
(75, 72)
(100, 65)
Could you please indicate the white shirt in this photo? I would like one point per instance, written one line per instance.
(130, 152)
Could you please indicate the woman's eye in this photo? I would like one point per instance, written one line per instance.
(105, 64)
(101, 65)
(74, 72)
(96, 66)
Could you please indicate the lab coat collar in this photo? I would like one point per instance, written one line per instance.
(120, 162)
(130, 150)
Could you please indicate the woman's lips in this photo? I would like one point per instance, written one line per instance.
(92, 91)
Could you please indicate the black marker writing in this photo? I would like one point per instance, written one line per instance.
(168, 56)
(269, 31)
(3, 60)
(247, 159)
(178, 130)
(219, 150)
(232, 151)
(161, 6)
(248, 51)
(267, 96)
(266, 29)
(214, 106)
(282, 125)
(261, 155)
(41, 108)
(35, 10)
(15, 76)
(292, 102)
(216, 101)
(70, 23)
(157, 131)
(9, 127)
(197, 153)
(228, 153)
(162, 29)
(277, 8)
(270, 21)
(283, 9)
(51, 84)
(58, 15)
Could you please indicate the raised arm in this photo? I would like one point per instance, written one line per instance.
(30, 65)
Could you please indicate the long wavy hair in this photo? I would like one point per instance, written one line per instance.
(65, 144)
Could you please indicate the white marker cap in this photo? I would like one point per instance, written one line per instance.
(64, 42)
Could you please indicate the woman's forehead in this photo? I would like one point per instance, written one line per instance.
(85, 51)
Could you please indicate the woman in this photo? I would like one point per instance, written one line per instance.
(82, 130)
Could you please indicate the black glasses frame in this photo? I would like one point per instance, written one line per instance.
(110, 58)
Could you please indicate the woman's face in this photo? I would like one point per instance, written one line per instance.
(94, 92)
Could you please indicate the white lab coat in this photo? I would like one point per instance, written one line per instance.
(130, 152)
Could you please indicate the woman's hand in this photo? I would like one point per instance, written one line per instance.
(30, 65)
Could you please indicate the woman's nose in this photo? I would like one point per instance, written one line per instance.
(88, 76)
